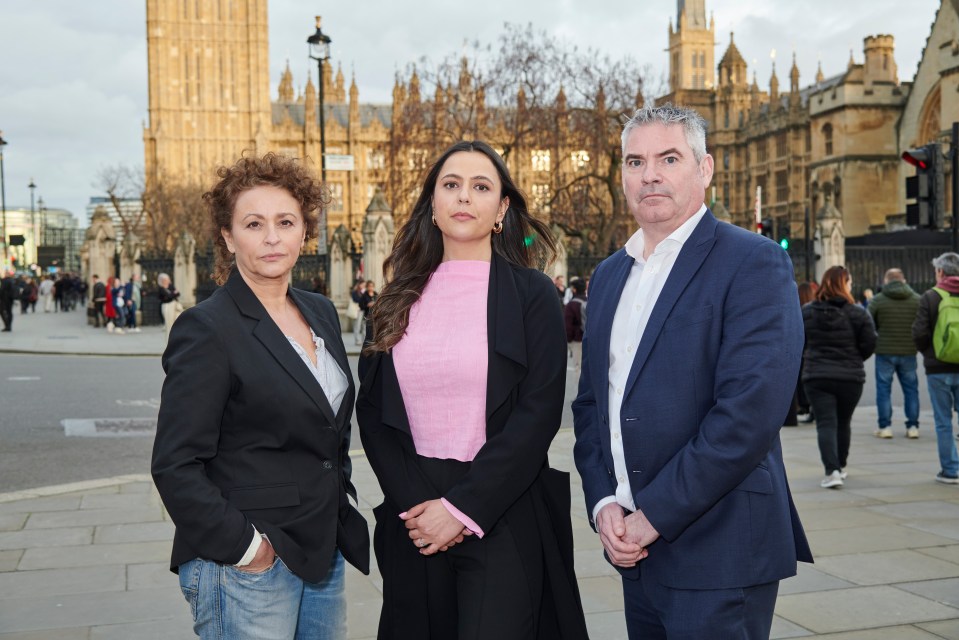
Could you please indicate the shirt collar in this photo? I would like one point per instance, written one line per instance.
(674, 241)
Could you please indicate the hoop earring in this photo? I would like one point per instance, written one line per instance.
(434, 220)
(498, 227)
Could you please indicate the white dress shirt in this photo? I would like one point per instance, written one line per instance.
(643, 286)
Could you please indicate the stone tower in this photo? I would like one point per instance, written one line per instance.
(691, 47)
(208, 84)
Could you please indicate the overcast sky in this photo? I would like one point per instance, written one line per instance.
(73, 75)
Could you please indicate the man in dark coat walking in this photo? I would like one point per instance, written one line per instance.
(8, 292)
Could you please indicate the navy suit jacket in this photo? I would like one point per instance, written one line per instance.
(709, 387)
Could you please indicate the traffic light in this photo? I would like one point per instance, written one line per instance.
(766, 228)
(927, 187)
(783, 233)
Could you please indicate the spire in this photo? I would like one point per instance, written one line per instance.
(819, 75)
(852, 61)
(640, 98)
(601, 100)
(354, 103)
(399, 92)
(414, 87)
(309, 101)
(794, 76)
(465, 81)
(774, 86)
(340, 84)
(561, 100)
(354, 91)
(286, 84)
(521, 99)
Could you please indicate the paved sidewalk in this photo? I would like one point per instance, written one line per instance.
(89, 560)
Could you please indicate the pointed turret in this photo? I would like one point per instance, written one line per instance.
(465, 80)
(852, 61)
(794, 76)
(399, 92)
(819, 74)
(286, 84)
(732, 67)
(354, 103)
(414, 91)
(774, 87)
(521, 99)
(601, 100)
(340, 87)
(309, 103)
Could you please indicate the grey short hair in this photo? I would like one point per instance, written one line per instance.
(693, 125)
(948, 263)
(161, 277)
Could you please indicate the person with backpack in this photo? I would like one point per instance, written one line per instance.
(936, 334)
(839, 337)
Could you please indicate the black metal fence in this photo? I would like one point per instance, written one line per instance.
(152, 265)
(868, 264)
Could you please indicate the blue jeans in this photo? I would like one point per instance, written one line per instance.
(229, 604)
(944, 395)
(905, 368)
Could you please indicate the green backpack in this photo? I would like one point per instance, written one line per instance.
(945, 336)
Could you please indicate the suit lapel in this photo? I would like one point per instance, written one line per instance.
(601, 317)
(277, 345)
(333, 341)
(688, 262)
(506, 340)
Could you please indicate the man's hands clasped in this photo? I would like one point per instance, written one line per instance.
(625, 538)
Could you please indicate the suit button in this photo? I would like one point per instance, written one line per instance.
(327, 464)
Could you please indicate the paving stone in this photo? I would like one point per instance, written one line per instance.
(833, 498)
(176, 628)
(826, 519)
(119, 501)
(786, 629)
(87, 517)
(608, 625)
(886, 567)
(950, 553)
(945, 629)
(363, 607)
(73, 633)
(95, 555)
(35, 505)
(590, 563)
(906, 489)
(942, 591)
(10, 559)
(944, 528)
(12, 521)
(925, 510)
(52, 582)
(811, 578)
(868, 539)
(151, 575)
(601, 594)
(885, 633)
(859, 608)
(32, 538)
(138, 487)
(91, 609)
(136, 532)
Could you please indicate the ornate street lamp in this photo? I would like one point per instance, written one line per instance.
(3, 205)
(320, 51)
(33, 224)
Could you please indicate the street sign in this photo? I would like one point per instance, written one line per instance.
(339, 162)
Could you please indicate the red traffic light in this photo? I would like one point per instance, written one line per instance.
(917, 157)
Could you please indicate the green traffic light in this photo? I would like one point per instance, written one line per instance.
(784, 243)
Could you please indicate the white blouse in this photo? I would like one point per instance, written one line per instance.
(327, 372)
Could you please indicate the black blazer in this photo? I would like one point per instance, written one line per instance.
(510, 477)
(247, 438)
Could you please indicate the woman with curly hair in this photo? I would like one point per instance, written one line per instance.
(251, 452)
(839, 337)
(463, 382)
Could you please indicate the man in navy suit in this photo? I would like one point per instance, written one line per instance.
(689, 364)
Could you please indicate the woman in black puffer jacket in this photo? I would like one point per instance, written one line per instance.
(839, 337)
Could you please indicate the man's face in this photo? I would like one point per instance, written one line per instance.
(663, 183)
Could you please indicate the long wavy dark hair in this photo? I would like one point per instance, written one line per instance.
(418, 248)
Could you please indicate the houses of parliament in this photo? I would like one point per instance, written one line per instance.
(804, 141)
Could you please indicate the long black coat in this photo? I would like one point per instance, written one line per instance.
(246, 437)
(510, 477)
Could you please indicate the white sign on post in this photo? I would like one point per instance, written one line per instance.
(339, 162)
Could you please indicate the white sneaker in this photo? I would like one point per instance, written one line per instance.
(884, 433)
(831, 481)
(843, 474)
(912, 432)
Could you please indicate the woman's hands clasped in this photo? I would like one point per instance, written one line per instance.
(433, 528)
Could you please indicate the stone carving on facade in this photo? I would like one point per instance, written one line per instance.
(184, 269)
(99, 247)
(378, 229)
(341, 268)
(130, 250)
(832, 236)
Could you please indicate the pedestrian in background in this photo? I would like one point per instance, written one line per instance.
(893, 311)
(462, 394)
(251, 456)
(109, 306)
(8, 293)
(169, 297)
(942, 375)
(367, 298)
(353, 311)
(46, 293)
(804, 414)
(574, 314)
(839, 337)
(132, 295)
(99, 295)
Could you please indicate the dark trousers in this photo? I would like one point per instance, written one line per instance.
(833, 403)
(480, 589)
(657, 612)
(6, 314)
(98, 312)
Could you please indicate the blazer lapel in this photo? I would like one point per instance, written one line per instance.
(277, 345)
(600, 326)
(688, 262)
(506, 341)
(333, 341)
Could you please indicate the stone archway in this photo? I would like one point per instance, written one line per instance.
(929, 118)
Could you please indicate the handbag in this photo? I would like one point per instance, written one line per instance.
(352, 310)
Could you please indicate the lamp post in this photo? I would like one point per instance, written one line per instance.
(3, 205)
(320, 51)
(33, 223)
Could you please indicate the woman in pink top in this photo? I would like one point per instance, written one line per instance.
(462, 393)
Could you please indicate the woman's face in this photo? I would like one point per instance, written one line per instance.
(266, 233)
(467, 203)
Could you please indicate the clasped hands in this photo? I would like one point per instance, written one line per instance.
(625, 538)
(433, 528)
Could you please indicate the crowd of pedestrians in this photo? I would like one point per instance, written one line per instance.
(55, 292)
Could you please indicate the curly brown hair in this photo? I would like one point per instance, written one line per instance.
(247, 173)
